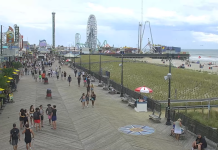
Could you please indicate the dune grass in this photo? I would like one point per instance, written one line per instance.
(203, 118)
(185, 84)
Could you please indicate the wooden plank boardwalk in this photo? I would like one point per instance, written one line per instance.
(84, 129)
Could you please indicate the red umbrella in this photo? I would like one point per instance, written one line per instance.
(143, 90)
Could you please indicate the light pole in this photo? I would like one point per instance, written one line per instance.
(80, 56)
(89, 61)
(121, 92)
(74, 59)
(169, 89)
(100, 72)
(1, 44)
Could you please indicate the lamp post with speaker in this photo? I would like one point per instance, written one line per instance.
(89, 62)
(168, 77)
(100, 70)
(121, 91)
(80, 56)
(74, 65)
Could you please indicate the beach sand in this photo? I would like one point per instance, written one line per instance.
(177, 63)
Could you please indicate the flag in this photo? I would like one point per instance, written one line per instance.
(199, 57)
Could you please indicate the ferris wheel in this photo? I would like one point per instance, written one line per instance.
(91, 32)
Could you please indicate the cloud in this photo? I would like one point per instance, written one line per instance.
(206, 37)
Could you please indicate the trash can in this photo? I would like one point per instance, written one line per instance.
(16, 77)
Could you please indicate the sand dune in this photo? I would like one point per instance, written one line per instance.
(177, 63)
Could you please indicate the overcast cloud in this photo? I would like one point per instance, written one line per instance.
(186, 23)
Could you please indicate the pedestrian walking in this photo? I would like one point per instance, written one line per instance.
(83, 100)
(31, 115)
(79, 79)
(40, 78)
(93, 98)
(69, 79)
(14, 136)
(62, 75)
(88, 80)
(59, 68)
(75, 71)
(28, 137)
(37, 119)
(92, 88)
(49, 112)
(26, 120)
(84, 81)
(57, 73)
(54, 116)
(65, 75)
(53, 73)
(42, 114)
(88, 88)
(87, 99)
(22, 116)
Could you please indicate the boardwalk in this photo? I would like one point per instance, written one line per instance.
(83, 129)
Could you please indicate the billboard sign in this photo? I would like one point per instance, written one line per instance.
(10, 35)
(42, 43)
(16, 33)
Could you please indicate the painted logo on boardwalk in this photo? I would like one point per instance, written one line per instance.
(136, 130)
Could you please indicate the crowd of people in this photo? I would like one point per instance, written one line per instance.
(32, 118)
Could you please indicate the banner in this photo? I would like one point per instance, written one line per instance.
(10, 35)
(16, 33)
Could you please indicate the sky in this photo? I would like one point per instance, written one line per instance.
(189, 24)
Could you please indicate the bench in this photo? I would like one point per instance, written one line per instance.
(131, 102)
(100, 84)
(155, 117)
(105, 87)
(92, 79)
(125, 98)
(112, 90)
(183, 135)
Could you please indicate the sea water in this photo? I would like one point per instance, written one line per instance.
(206, 55)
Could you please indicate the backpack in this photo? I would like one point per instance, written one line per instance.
(14, 134)
(49, 109)
(35, 115)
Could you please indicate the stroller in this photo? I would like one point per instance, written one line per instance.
(48, 93)
(45, 80)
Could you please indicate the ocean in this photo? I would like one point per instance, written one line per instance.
(206, 55)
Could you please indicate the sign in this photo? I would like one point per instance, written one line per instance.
(17, 34)
(10, 35)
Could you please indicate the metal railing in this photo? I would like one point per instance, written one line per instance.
(195, 126)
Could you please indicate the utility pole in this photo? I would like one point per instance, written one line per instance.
(1, 44)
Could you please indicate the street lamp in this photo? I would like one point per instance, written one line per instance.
(74, 59)
(89, 61)
(100, 72)
(121, 92)
(168, 77)
(80, 56)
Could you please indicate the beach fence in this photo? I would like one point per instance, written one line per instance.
(151, 104)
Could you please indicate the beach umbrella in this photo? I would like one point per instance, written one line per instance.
(143, 90)
(68, 60)
(10, 78)
(2, 89)
(8, 81)
(14, 72)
